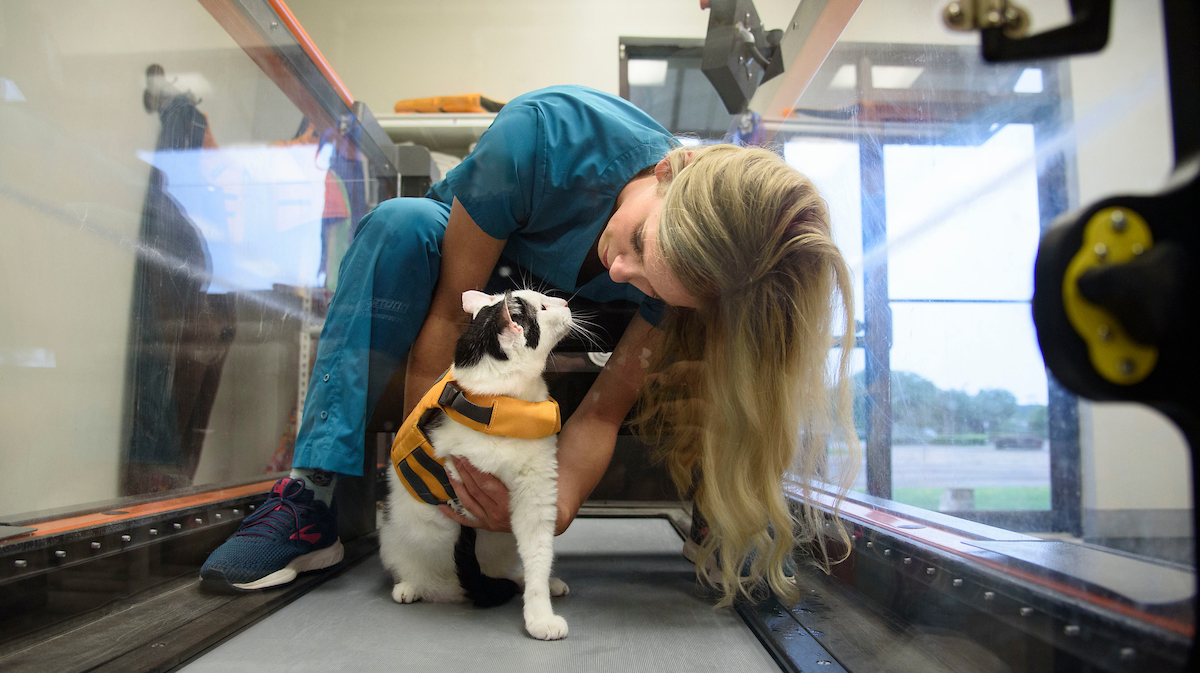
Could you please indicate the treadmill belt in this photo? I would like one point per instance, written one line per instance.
(633, 606)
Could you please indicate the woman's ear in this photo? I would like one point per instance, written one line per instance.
(473, 300)
(662, 170)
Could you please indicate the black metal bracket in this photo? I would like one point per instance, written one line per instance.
(739, 54)
(1088, 32)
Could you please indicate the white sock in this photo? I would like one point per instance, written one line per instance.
(320, 481)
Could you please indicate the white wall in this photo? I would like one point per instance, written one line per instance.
(388, 50)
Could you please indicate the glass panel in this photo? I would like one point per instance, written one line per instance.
(175, 218)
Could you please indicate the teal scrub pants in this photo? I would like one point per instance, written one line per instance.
(385, 284)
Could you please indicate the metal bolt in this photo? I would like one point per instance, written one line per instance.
(177, 526)
(907, 560)
(957, 582)
(954, 12)
(274, 25)
(218, 515)
(1138, 249)
(1101, 250)
(870, 544)
(989, 595)
(95, 545)
(1011, 15)
(1025, 612)
(1071, 630)
(236, 510)
(198, 520)
(20, 563)
(1128, 653)
(931, 571)
(1128, 367)
(887, 552)
(1118, 221)
(994, 17)
(252, 507)
(153, 532)
(824, 662)
(126, 538)
(60, 554)
(1104, 332)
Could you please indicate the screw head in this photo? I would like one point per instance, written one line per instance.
(177, 526)
(994, 17)
(274, 25)
(1025, 612)
(870, 544)
(954, 10)
(60, 554)
(236, 510)
(198, 520)
(1071, 630)
(21, 563)
(887, 552)
(931, 571)
(218, 515)
(153, 532)
(957, 582)
(95, 545)
(989, 595)
(1101, 250)
(1117, 218)
(907, 560)
(126, 538)
(1128, 653)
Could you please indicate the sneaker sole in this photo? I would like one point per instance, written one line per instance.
(317, 560)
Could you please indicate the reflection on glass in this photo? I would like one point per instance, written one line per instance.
(176, 225)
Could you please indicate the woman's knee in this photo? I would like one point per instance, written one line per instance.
(405, 223)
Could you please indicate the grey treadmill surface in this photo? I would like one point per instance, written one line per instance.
(633, 606)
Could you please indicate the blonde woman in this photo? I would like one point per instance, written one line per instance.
(729, 252)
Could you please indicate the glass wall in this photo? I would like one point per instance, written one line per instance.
(941, 171)
(177, 187)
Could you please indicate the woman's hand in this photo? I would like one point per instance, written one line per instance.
(482, 495)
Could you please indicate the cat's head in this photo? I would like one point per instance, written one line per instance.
(511, 334)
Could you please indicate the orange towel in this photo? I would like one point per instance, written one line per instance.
(471, 102)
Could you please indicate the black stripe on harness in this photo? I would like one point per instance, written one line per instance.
(418, 486)
(453, 397)
(435, 468)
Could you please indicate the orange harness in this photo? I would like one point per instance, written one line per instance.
(422, 472)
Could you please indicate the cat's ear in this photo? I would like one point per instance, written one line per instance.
(508, 326)
(473, 300)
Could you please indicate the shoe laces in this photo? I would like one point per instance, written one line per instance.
(279, 515)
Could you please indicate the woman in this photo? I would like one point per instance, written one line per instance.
(591, 195)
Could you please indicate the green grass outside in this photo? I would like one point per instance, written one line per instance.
(988, 499)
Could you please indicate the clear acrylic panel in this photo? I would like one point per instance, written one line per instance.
(176, 203)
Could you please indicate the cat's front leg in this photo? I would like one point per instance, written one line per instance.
(532, 498)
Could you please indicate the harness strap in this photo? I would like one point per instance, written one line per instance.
(421, 472)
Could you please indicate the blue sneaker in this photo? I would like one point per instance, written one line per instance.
(291, 533)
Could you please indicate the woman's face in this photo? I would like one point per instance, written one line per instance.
(628, 246)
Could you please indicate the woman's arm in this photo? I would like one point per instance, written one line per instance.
(468, 257)
(585, 445)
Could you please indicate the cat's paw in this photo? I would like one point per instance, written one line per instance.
(558, 587)
(405, 592)
(547, 628)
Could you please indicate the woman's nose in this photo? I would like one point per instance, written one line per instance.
(620, 271)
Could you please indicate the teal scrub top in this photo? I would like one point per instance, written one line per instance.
(546, 175)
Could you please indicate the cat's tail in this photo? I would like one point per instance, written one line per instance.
(483, 591)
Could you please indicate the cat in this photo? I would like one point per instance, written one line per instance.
(498, 361)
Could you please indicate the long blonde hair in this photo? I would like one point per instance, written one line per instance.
(751, 236)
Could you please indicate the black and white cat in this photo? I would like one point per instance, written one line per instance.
(502, 354)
